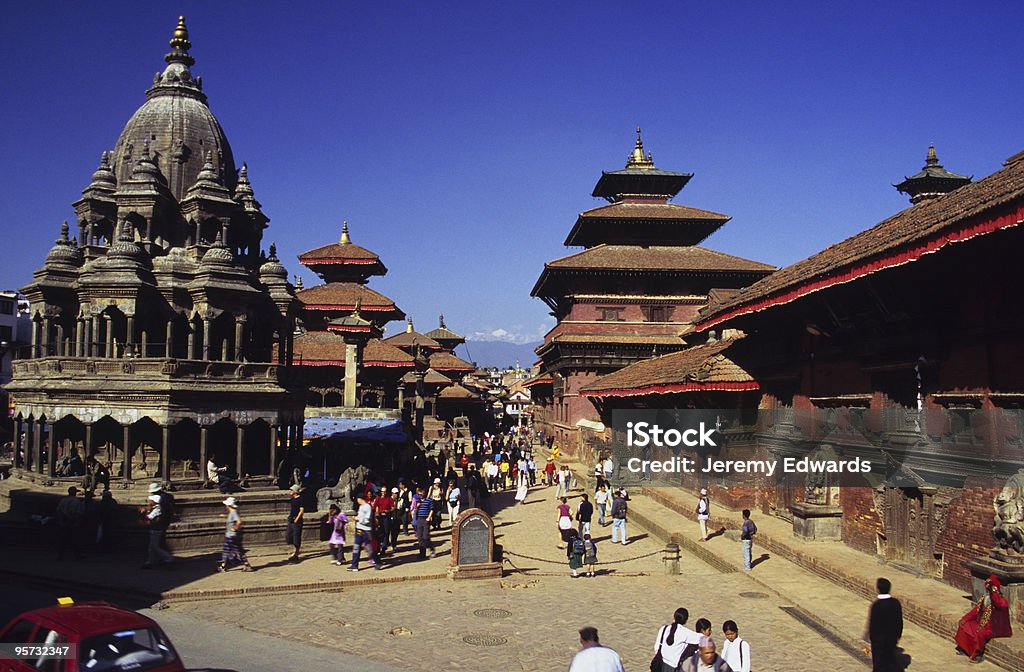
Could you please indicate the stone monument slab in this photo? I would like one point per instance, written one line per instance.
(473, 548)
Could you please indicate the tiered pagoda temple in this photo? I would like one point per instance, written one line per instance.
(339, 352)
(633, 291)
(155, 330)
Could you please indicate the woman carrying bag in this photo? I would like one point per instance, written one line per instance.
(674, 643)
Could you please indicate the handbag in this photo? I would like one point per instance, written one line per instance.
(326, 529)
(656, 662)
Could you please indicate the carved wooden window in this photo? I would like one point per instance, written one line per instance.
(658, 313)
(609, 314)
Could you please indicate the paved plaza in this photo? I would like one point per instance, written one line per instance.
(410, 615)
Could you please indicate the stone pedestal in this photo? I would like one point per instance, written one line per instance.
(1009, 569)
(817, 522)
(473, 550)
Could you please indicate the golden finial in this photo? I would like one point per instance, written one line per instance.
(180, 38)
(408, 325)
(344, 240)
(932, 159)
(442, 321)
(636, 158)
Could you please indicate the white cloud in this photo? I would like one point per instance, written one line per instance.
(517, 333)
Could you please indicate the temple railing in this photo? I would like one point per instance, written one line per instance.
(149, 367)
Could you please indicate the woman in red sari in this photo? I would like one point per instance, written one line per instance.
(989, 618)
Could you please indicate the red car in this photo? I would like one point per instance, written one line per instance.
(88, 637)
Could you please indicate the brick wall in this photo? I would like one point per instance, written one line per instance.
(861, 522)
(968, 530)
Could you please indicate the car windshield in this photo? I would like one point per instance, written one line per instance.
(128, 650)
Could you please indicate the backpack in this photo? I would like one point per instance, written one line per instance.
(577, 546)
(168, 508)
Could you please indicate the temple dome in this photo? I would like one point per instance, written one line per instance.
(64, 252)
(273, 269)
(178, 124)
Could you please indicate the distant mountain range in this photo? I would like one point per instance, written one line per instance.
(500, 354)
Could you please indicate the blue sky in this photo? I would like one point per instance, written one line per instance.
(461, 139)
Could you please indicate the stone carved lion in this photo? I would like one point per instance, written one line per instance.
(1008, 525)
(342, 492)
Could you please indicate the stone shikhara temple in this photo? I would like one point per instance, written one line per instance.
(163, 332)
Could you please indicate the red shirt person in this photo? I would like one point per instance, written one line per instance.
(989, 618)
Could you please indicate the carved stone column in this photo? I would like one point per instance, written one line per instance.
(239, 449)
(203, 431)
(19, 435)
(169, 339)
(206, 338)
(239, 335)
(129, 335)
(80, 337)
(126, 452)
(351, 376)
(165, 453)
(273, 449)
(37, 436)
(108, 348)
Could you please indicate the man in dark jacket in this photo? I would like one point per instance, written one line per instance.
(885, 627)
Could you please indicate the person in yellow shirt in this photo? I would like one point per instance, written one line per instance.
(504, 468)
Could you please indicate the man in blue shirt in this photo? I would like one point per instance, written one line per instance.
(422, 507)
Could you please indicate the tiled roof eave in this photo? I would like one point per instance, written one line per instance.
(674, 388)
(898, 256)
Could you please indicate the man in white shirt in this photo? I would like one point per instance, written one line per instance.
(736, 650)
(593, 657)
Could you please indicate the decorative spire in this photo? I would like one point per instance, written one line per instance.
(345, 240)
(637, 158)
(146, 168)
(244, 188)
(932, 159)
(64, 251)
(103, 179)
(209, 171)
(442, 322)
(408, 325)
(273, 252)
(180, 45)
(359, 304)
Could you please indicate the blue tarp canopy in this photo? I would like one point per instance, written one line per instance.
(354, 429)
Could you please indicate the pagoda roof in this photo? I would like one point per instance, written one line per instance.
(346, 296)
(639, 177)
(700, 368)
(446, 361)
(379, 353)
(990, 204)
(343, 258)
(431, 377)
(657, 258)
(624, 339)
(410, 339)
(443, 333)
(457, 392)
(321, 348)
(932, 181)
(644, 222)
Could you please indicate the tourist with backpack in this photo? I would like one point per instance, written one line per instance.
(574, 551)
(590, 555)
